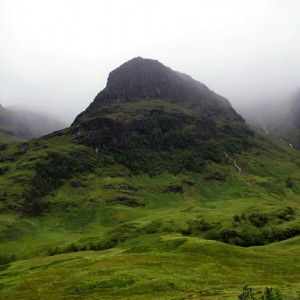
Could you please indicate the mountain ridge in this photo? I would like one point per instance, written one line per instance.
(281, 121)
(141, 78)
(21, 124)
(146, 104)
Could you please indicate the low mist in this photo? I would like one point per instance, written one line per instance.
(55, 56)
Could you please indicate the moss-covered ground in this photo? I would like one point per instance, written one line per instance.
(76, 224)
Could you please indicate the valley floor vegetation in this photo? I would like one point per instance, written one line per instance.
(80, 223)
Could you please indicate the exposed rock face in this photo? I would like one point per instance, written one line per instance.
(157, 132)
(147, 104)
(149, 79)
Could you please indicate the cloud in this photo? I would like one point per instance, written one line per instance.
(55, 55)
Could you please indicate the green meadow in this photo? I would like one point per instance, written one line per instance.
(77, 224)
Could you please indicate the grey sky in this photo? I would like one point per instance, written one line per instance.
(55, 55)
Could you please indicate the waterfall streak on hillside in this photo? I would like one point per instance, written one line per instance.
(265, 129)
(286, 142)
(234, 163)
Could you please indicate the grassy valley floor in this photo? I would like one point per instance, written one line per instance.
(108, 233)
(156, 267)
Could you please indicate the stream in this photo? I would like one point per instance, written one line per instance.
(286, 142)
(234, 163)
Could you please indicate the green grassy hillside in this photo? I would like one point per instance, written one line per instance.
(159, 190)
(81, 224)
(7, 139)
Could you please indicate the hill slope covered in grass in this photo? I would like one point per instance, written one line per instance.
(138, 200)
(109, 233)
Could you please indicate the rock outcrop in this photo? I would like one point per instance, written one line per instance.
(146, 104)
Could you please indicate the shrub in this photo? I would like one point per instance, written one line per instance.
(247, 293)
(5, 259)
(287, 214)
(258, 219)
(153, 227)
(116, 237)
(268, 294)
(247, 237)
(94, 246)
(236, 219)
(272, 294)
(197, 226)
(289, 183)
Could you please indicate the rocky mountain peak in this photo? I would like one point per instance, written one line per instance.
(148, 79)
(148, 105)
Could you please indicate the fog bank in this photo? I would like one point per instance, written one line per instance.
(55, 56)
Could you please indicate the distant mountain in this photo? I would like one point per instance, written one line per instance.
(19, 124)
(295, 109)
(289, 128)
(281, 120)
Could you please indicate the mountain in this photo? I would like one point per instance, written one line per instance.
(147, 106)
(158, 190)
(149, 79)
(282, 120)
(19, 124)
(292, 122)
(296, 108)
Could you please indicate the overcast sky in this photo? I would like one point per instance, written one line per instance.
(55, 55)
